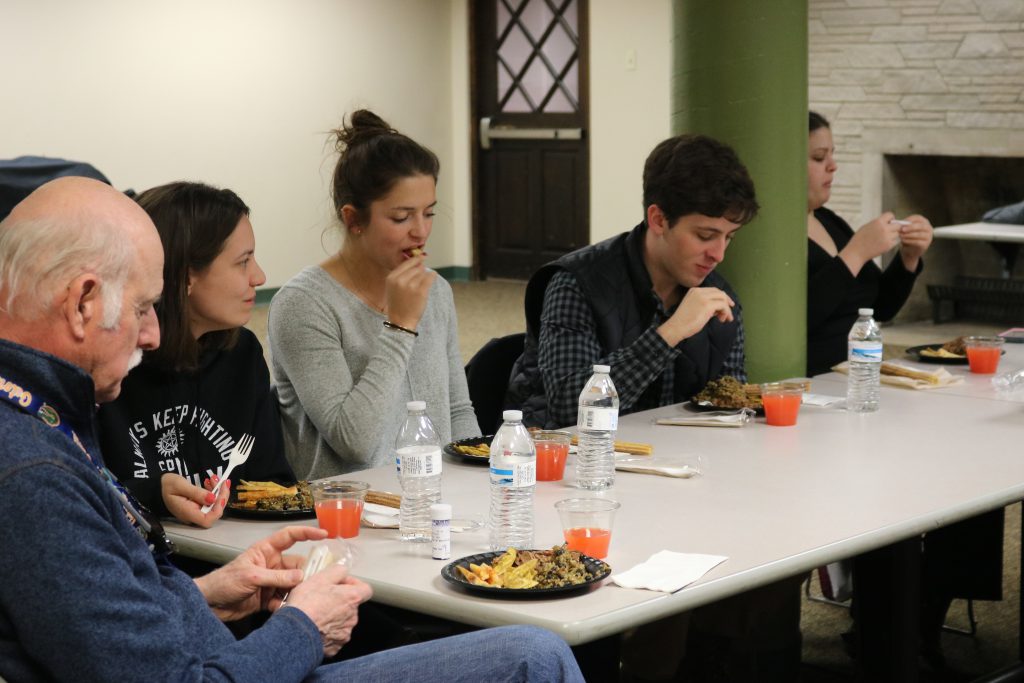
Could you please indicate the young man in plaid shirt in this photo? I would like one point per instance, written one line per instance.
(649, 303)
(646, 302)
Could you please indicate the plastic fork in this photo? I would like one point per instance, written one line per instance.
(239, 454)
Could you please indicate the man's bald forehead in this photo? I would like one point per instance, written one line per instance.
(82, 202)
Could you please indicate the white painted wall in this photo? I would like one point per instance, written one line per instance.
(629, 107)
(238, 93)
(457, 176)
(241, 93)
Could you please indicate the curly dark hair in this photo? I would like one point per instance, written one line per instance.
(690, 174)
(373, 156)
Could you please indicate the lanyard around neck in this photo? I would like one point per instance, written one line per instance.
(144, 522)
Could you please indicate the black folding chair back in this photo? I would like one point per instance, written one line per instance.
(487, 374)
(20, 176)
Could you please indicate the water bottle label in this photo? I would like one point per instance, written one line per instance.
(865, 351)
(598, 419)
(515, 476)
(419, 463)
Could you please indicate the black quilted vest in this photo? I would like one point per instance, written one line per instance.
(614, 280)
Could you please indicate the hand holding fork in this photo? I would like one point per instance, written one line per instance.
(239, 454)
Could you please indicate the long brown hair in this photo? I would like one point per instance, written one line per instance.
(194, 221)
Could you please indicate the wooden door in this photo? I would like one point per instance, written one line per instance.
(531, 161)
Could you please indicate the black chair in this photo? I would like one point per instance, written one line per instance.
(20, 176)
(487, 374)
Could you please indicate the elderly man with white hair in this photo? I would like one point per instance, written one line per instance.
(89, 591)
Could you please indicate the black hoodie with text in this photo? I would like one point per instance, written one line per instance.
(188, 422)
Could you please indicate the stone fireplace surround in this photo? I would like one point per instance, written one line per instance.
(951, 176)
(932, 89)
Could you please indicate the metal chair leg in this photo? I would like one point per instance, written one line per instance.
(972, 628)
(821, 598)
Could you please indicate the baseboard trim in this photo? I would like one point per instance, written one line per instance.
(455, 273)
(263, 296)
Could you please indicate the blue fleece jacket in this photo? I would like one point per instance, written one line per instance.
(81, 596)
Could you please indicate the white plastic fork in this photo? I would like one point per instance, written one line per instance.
(239, 454)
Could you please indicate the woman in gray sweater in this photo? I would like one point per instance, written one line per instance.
(370, 328)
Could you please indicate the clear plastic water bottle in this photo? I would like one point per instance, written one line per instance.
(418, 460)
(513, 479)
(598, 419)
(865, 355)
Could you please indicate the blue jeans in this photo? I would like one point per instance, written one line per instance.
(508, 653)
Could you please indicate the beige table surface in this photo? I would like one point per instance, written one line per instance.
(776, 500)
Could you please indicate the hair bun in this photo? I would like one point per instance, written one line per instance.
(363, 125)
(372, 157)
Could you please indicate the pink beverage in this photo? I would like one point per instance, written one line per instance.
(589, 541)
(340, 518)
(983, 360)
(781, 402)
(780, 410)
(551, 459)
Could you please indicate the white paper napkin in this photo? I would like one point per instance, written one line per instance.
(380, 516)
(668, 571)
(574, 451)
(715, 419)
(683, 465)
(821, 400)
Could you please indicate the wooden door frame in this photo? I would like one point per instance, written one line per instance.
(583, 24)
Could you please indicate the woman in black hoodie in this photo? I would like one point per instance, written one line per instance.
(169, 433)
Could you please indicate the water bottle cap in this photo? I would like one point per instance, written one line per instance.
(440, 511)
(603, 368)
(512, 416)
(866, 311)
(416, 405)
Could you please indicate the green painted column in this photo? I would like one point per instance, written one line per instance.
(740, 75)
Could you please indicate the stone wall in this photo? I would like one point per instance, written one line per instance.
(943, 78)
(953, 65)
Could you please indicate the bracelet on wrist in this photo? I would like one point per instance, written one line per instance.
(393, 326)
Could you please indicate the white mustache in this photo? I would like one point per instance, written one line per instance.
(135, 359)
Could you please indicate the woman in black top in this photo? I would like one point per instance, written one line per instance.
(960, 560)
(841, 275)
(170, 432)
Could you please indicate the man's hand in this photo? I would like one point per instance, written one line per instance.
(184, 501)
(700, 305)
(914, 240)
(331, 598)
(259, 577)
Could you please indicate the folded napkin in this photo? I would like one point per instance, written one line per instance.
(718, 418)
(901, 375)
(574, 450)
(821, 400)
(380, 516)
(680, 465)
(668, 571)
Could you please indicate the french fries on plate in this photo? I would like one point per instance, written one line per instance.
(502, 574)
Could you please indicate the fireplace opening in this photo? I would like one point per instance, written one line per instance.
(950, 190)
(953, 190)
